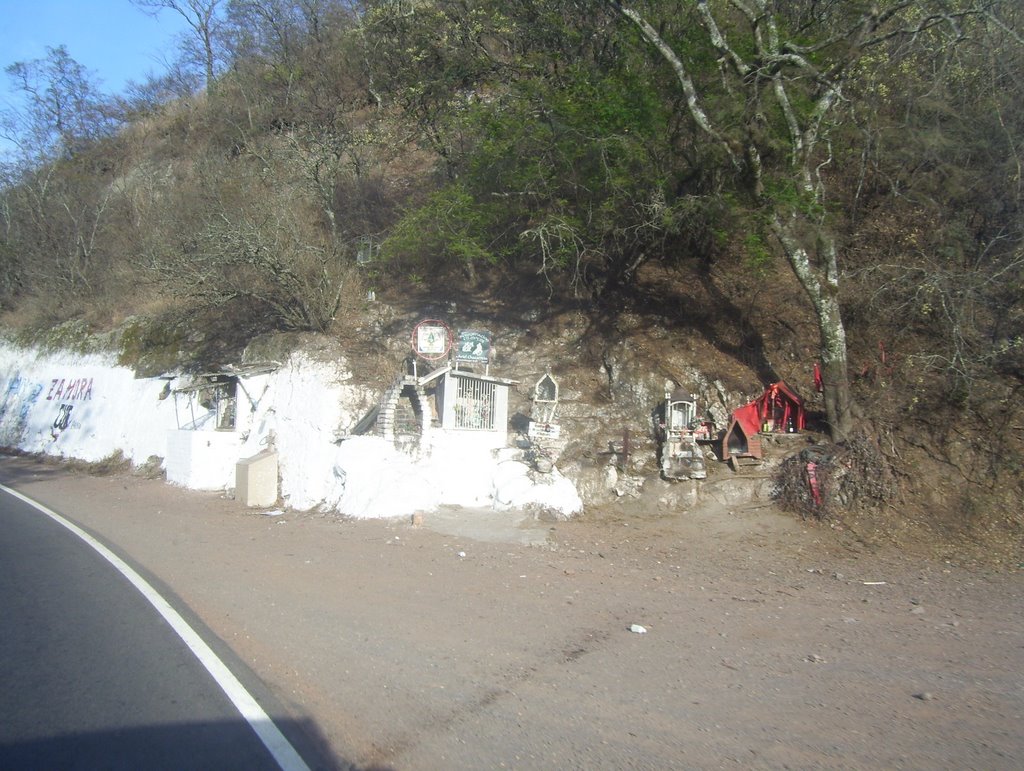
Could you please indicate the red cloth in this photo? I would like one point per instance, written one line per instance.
(812, 480)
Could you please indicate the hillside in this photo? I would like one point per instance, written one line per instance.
(633, 207)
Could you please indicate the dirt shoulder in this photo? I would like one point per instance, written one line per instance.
(768, 642)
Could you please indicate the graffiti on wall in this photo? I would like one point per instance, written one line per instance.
(23, 398)
(67, 390)
(63, 419)
(70, 389)
(15, 411)
(12, 389)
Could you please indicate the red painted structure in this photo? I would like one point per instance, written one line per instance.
(778, 410)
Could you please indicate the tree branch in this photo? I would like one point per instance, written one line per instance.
(689, 90)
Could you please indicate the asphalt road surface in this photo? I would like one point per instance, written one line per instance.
(92, 675)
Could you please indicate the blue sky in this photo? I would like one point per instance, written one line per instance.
(112, 39)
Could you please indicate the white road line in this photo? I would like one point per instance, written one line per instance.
(269, 733)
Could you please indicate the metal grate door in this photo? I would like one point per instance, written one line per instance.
(474, 404)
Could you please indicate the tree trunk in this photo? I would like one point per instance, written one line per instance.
(824, 296)
(835, 378)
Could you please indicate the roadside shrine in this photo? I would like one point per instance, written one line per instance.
(456, 395)
(680, 428)
(778, 410)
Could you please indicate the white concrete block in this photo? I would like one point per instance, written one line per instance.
(256, 479)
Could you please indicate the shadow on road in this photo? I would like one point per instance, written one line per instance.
(204, 745)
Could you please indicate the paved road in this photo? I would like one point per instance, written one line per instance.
(91, 674)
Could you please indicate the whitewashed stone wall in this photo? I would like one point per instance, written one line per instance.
(87, 407)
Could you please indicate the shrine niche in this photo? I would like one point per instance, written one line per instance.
(214, 412)
(446, 387)
(679, 429)
(210, 402)
(778, 410)
(543, 422)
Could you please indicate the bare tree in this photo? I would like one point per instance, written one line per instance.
(54, 204)
(63, 112)
(202, 17)
(239, 239)
(278, 30)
